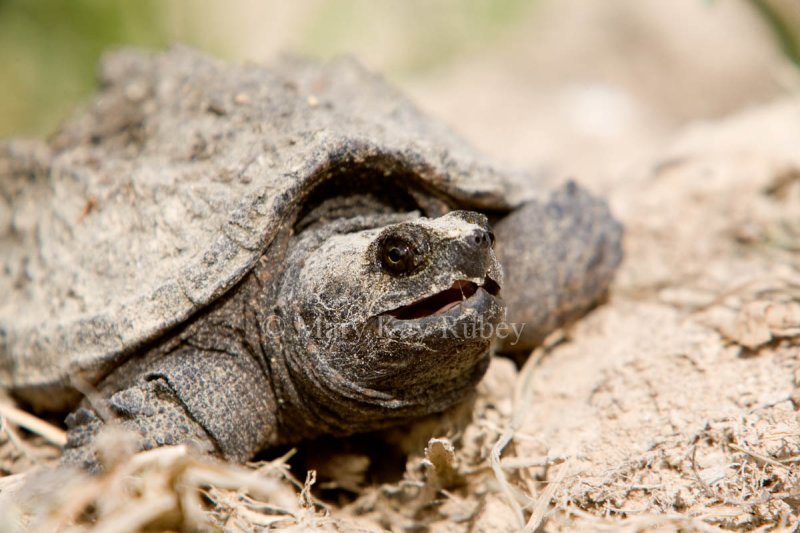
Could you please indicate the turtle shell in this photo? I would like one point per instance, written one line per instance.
(168, 187)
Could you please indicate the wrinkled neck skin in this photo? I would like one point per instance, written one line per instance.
(339, 366)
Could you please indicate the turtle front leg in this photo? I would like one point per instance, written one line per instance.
(218, 402)
(558, 259)
(151, 411)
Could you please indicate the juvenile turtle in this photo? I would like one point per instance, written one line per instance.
(243, 256)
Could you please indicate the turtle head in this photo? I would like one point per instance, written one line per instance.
(399, 318)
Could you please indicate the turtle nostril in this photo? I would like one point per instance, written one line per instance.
(480, 238)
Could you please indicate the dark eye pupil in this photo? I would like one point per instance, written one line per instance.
(396, 254)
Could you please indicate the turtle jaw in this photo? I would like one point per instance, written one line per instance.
(446, 315)
(447, 302)
(446, 346)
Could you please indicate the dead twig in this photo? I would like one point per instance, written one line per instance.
(16, 441)
(540, 509)
(705, 486)
(36, 425)
(521, 393)
(758, 456)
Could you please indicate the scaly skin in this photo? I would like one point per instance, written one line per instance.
(559, 258)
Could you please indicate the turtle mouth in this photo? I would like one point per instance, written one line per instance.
(438, 304)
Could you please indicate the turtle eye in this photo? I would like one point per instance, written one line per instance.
(398, 256)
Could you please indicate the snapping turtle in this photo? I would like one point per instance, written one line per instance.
(242, 256)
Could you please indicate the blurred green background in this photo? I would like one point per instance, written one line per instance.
(49, 48)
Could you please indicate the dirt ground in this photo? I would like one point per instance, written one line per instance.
(672, 407)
